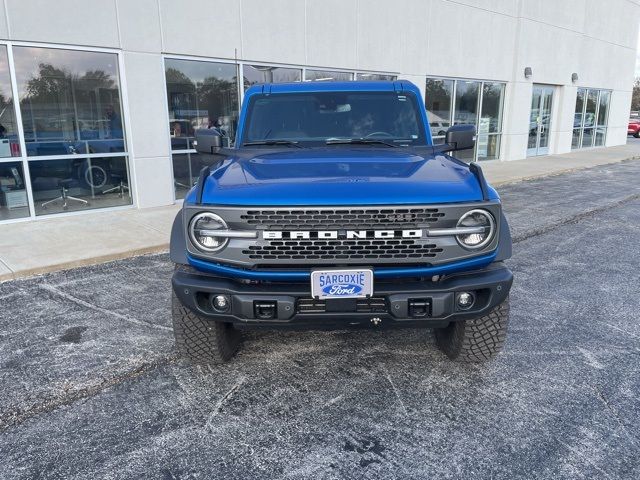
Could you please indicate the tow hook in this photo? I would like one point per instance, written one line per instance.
(376, 321)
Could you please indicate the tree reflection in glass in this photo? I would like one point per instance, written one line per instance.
(70, 101)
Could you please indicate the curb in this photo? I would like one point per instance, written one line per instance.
(563, 171)
(58, 267)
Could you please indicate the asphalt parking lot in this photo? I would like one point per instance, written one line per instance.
(92, 389)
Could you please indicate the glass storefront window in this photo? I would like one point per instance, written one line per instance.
(465, 111)
(476, 103)
(204, 95)
(490, 123)
(438, 99)
(72, 114)
(70, 101)
(575, 139)
(70, 184)
(13, 192)
(375, 77)
(13, 189)
(200, 95)
(9, 142)
(590, 110)
(466, 106)
(603, 107)
(254, 74)
(577, 118)
(488, 147)
(491, 109)
(327, 75)
(591, 117)
(186, 169)
(587, 137)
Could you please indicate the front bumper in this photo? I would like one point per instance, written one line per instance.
(394, 302)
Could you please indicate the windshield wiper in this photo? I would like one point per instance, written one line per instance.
(358, 141)
(272, 142)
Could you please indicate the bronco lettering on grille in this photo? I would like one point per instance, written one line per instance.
(340, 234)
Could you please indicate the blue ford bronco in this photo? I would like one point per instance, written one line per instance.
(333, 209)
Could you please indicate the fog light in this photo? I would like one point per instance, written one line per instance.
(465, 300)
(220, 303)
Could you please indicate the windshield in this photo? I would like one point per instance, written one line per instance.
(318, 118)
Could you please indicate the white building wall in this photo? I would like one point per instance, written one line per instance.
(476, 39)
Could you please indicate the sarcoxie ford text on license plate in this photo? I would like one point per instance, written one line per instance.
(347, 283)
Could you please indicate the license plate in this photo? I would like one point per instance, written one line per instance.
(350, 283)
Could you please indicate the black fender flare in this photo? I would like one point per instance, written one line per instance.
(505, 246)
(178, 243)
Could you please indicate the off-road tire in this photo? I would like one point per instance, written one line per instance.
(202, 341)
(475, 340)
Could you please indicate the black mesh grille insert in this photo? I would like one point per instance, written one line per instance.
(341, 218)
(359, 249)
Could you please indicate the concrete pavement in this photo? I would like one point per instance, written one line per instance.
(51, 244)
(92, 388)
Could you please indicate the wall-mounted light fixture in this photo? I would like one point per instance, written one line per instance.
(574, 77)
(528, 72)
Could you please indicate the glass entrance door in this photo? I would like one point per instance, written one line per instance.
(540, 120)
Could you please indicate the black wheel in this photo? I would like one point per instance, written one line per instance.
(95, 175)
(475, 340)
(637, 134)
(200, 340)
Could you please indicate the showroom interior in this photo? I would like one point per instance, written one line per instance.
(103, 116)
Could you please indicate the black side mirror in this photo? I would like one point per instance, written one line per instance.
(461, 137)
(208, 140)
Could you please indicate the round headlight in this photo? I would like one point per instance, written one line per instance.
(202, 231)
(484, 224)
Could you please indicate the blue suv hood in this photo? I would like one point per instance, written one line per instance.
(339, 176)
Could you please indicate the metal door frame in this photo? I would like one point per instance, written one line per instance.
(546, 90)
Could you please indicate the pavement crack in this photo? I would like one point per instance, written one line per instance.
(614, 413)
(395, 390)
(78, 301)
(12, 417)
(225, 397)
(535, 232)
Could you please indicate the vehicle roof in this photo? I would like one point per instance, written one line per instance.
(350, 86)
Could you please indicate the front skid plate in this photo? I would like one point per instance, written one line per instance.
(492, 284)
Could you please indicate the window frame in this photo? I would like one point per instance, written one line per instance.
(258, 64)
(351, 73)
(604, 127)
(192, 151)
(479, 102)
(241, 92)
(23, 159)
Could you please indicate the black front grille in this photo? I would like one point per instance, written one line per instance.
(341, 218)
(358, 249)
(363, 305)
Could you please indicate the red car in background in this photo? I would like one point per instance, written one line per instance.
(634, 125)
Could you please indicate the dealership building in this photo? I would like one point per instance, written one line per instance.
(99, 99)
